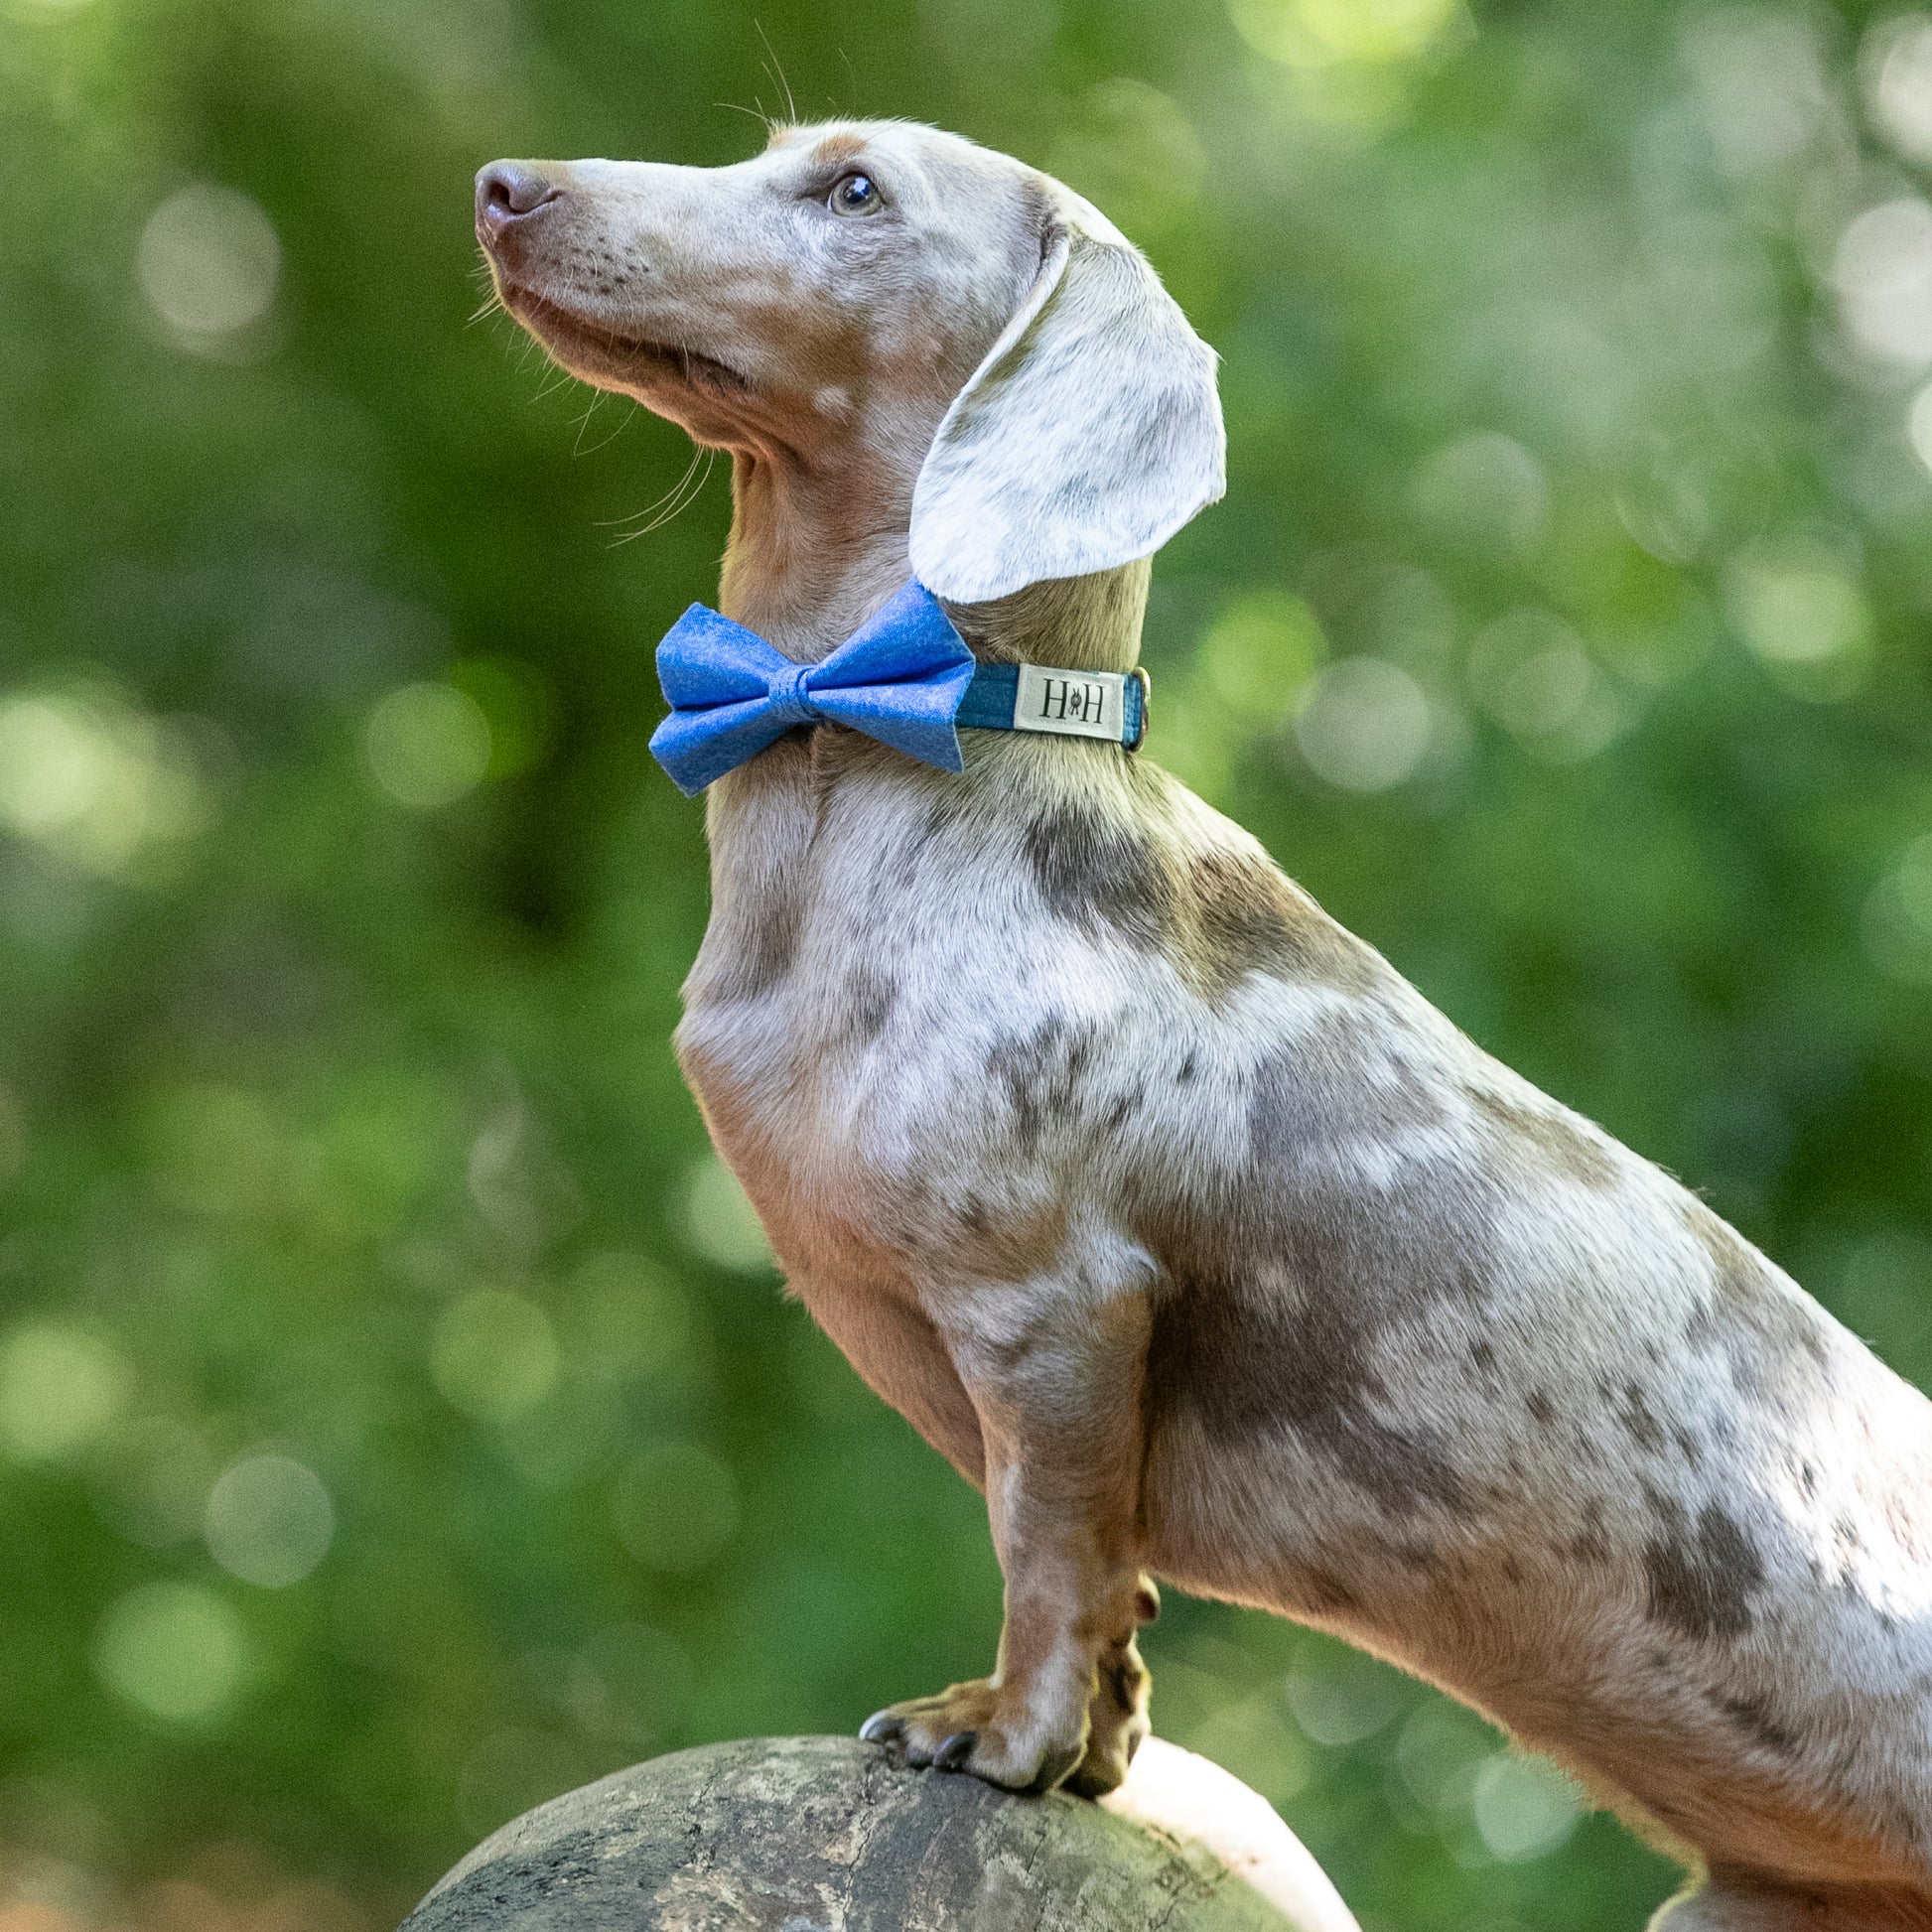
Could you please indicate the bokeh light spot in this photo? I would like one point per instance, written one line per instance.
(1524, 1807)
(1897, 60)
(495, 1355)
(1761, 74)
(1255, 1738)
(720, 1222)
(1530, 672)
(91, 782)
(1796, 602)
(55, 766)
(208, 261)
(1882, 271)
(59, 1388)
(634, 1321)
(1439, 1753)
(523, 1190)
(1364, 725)
(176, 1650)
(1918, 426)
(269, 1520)
(428, 744)
(1321, 33)
(1259, 652)
(1485, 492)
(1345, 1698)
(1251, 667)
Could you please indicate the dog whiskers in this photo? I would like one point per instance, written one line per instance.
(681, 496)
(583, 423)
(775, 67)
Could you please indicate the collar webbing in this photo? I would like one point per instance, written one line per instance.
(1111, 705)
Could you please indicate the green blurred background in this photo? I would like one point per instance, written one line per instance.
(399, 1420)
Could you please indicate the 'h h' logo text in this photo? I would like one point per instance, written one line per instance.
(1071, 700)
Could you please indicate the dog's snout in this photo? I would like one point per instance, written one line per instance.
(507, 190)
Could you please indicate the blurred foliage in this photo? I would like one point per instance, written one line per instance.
(398, 1419)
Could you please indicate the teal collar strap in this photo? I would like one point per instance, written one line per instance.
(1110, 705)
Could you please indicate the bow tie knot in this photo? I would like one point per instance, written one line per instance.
(899, 678)
(792, 695)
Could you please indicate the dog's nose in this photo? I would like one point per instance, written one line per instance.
(507, 190)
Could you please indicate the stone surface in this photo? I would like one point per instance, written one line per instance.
(827, 1835)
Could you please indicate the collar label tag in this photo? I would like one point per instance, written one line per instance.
(1070, 704)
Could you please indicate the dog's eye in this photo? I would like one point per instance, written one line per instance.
(855, 194)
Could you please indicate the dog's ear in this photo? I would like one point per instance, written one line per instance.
(1086, 438)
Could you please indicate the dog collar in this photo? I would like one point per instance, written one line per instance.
(905, 677)
(1068, 704)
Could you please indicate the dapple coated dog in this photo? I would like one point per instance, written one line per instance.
(1160, 1204)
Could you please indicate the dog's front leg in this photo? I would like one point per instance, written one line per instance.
(1055, 1374)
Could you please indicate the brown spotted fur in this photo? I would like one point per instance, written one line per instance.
(1165, 1208)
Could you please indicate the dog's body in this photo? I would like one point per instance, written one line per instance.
(1190, 1232)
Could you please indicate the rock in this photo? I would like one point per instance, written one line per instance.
(828, 1835)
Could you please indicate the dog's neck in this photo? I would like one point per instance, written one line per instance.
(815, 548)
(815, 551)
(1075, 624)
(805, 577)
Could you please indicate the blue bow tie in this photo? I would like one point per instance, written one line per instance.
(899, 678)
(904, 677)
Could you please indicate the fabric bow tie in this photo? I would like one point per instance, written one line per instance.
(905, 677)
(899, 678)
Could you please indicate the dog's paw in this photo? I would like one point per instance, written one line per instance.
(975, 1727)
(1117, 1722)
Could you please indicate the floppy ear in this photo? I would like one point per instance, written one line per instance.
(1086, 438)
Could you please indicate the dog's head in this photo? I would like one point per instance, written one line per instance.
(983, 338)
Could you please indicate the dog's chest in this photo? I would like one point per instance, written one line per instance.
(850, 1026)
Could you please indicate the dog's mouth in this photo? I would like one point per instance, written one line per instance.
(607, 351)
